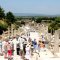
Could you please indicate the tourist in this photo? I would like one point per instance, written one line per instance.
(32, 48)
(9, 48)
(14, 45)
(42, 45)
(18, 48)
(24, 46)
(0, 45)
(34, 44)
(28, 53)
(5, 48)
(12, 49)
(39, 46)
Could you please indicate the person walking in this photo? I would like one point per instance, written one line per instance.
(9, 50)
(28, 53)
(5, 48)
(0, 45)
(34, 44)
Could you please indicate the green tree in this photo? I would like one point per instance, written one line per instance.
(38, 20)
(33, 18)
(10, 18)
(57, 19)
(3, 26)
(2, 14)
(22, 22)
(52, 27)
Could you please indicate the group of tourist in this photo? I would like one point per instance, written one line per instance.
(19, 46)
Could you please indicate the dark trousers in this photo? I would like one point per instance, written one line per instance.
(18, 50)
(24, 46)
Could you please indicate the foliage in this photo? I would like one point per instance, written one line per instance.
(10, 18)
(3, 26)
(38, 20)
(33, 18)
(2, 14)
(19, 18)
(55, 25)
(22, 22)
(57, 19)
(18, 23)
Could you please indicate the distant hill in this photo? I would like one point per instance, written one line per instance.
(26, 14)
(33, 14)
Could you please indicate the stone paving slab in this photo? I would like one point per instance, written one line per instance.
(32, 58)
(2, 58)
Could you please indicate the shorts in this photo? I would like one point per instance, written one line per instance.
(9, 52)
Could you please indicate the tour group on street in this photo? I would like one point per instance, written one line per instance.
(25, 47)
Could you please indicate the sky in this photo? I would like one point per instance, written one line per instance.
(50, 7)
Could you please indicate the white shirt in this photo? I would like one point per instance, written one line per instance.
(28, 55)
(21, 40)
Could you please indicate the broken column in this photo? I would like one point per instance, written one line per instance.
(56, 41)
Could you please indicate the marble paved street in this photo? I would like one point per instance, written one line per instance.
(43, 55)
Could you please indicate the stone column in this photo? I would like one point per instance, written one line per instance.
(8, 31)
(14, 32)
(11, 29)
(15, 43)
(18, 31)
(56, 42)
